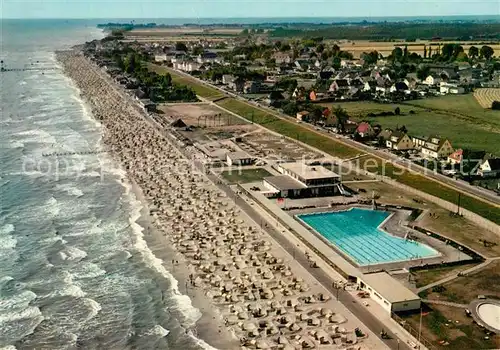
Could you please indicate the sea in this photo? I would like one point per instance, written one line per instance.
(75, 270)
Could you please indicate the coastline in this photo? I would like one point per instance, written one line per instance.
(248, 288)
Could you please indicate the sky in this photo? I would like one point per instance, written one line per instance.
(245, 8)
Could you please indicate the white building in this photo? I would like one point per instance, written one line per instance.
(302, 180)
(161, 58)
(238, 158)
(450, 88)
(388, 292)
(490, 167)
(187, 66)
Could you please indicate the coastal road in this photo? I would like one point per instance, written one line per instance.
(462, 186)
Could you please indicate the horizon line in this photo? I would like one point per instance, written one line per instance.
(250, 17)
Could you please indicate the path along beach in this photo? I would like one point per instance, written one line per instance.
(250, 293)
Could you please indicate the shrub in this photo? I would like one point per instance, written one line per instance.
(495, 105)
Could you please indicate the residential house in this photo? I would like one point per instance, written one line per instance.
(238, 84)
(160, 58)
(437, 148)
(339, 85)
(418, 142)
(490, 168)
(399, 86)
(384, 135)
(365, 130)
(370, 85)
(207, 57)
(302, 65)
(451, 88)
(282, 57)
(383, 85)
(227, 79)
(252, 87)
(399, 141)
(238, 158)
(465, 156)
(187, 66)
(303, 116)
(350, 127)
(432, 79)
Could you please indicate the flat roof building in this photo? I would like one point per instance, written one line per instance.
(238, 158)
(388, 292)
(300, 180)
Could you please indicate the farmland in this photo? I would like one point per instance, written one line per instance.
(485, 97)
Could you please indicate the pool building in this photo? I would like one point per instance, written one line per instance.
(359, 234)
(299, 180)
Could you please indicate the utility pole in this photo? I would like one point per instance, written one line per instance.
(420, 328)
(458, 203)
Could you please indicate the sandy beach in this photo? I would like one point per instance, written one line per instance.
(250, 292)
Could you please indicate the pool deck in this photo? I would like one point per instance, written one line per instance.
(394, 225)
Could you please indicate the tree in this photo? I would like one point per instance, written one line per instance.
(198, 50)
(397, 111)
(336, 62)
(423, 72)
(486, 52)
(180, 46)
(370, 58)
(320, 48)
(495, 105)
(473, 52)
(285, 48)
(447, 50)
(425, 51)
(397, 53)
(342, 117)
(462, 57)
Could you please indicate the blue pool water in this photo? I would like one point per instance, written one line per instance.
(356, 233)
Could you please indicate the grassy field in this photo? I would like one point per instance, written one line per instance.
(245, 175)
(425, 277)
(446, 116)
(485, 97)
(333, 147)
(451, 325)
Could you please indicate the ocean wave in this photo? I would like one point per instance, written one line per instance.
(181, 303)
(36, 136)
(87, 270)
(18, 301)
(157, 331)
(70, 189)
(67, 291)
(93, 306)
(11, 316)
(7, 241)
(72, 254)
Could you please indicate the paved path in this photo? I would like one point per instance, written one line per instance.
(462, 273)
(462, 186)
(446, 303)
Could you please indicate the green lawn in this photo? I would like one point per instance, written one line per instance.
(245, 175)
(446, 116)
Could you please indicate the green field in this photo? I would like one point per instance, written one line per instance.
(446, 116)
(336, 148)
(245, 175)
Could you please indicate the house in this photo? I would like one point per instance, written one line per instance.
(207, 57)
(418, 142)
(282, 57)
(299, 180)
(399, 141)
(160, 58)
(227, 79)
(339, 85)
(370, 85)
(364, 130)
(437, 148)
(490, 168)
(465, 156)
(450, 88)
(399, 86)
(187, 66)
(252, 87)
(432, 79)
(275, 97)
(303, 116)
(385, 135)
(302, 65)
(238, 84)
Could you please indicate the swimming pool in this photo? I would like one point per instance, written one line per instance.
(356, 232)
